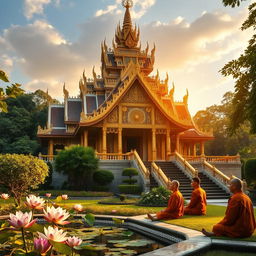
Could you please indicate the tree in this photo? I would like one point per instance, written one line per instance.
(225, 143)
(243, 71)
(78, 163)
(20, 173)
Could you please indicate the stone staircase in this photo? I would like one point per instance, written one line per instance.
(173, 172)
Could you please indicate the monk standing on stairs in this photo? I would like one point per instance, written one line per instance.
(175, 208)
(239, 220)
(197, 205)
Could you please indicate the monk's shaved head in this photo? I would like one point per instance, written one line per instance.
(176, 183)
(237, 182)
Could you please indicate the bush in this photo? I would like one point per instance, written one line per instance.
(74, 193)
(250, 172)
(130, 172)
(130, 181)
(156, 197)
(78, 163)
(48, 181)
(100, 188)
(103, 177)
(20, 173)
(130, 189)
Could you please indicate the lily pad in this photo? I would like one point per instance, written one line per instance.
(127, 233)
(134, 243)
(89, 219)
(117, 221)
(118, 241)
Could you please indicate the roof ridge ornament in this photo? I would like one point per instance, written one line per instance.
(127, 3)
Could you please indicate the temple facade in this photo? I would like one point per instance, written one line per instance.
(124, 108)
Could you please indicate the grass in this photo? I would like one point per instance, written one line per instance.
(116, 200)
(73, 193)
(214, 215)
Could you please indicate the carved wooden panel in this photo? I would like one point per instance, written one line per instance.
(113, 116)
(136, 94)
(136, 115)
(160, 119)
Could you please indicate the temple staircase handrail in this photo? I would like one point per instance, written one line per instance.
(145, 172)
(159, 175)
(186, 166)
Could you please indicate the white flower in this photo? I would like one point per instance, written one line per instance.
(54, 234)
(21, 220)
(35, 202)
(73, 241)
(56, 215)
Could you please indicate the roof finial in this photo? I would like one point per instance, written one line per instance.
(127, 3)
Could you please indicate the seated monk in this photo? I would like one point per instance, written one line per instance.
(175, 206)
(197, 205)
(239, 218)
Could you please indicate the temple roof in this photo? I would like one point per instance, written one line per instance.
(195, 134)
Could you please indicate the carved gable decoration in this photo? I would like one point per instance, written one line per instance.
(113, 116)
(136, 94)
(160, 119)
(136, 115)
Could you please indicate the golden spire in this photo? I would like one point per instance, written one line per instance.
(127, 36)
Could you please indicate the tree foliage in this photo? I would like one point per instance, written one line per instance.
(243, 71)
(20, 173)
(103, 177)
(225, 143)
(250, 172)
(78, 163)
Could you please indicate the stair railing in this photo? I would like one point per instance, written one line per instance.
(159, 175)
(135, 156)
(185, 165)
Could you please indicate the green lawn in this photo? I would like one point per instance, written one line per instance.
(213, 216)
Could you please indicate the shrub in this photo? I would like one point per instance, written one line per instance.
(78, 163)
(156, 197)
(20, 173)
(103, 177)
(130, 189)
(48, 181)
(250, 172)
(130, 181)
(100, 188)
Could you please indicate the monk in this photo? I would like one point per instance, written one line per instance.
(239, 221)
(197, 205)
(175, 206)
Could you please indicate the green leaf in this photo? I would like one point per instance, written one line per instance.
(36, 228)
(118, 241)
(61, 248)
(134, 243)
(5, 236)
(127, 233)
(58, 199)
(89, 219)
(117, 221)
(3, 76)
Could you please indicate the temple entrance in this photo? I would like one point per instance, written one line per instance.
(136, 139)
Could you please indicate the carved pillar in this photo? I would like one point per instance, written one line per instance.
(153, 144)
(81, 140)
(104, 141)
(194, 149)
(168, 144)
(85, 137)
(189, 149)
(120, 146)
(202, 148)
(178, 142)
(50, 147)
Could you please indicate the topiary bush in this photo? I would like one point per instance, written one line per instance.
(130, 189)
(130, 172)
(130, 181)
(103, 177)
(250, 172)
(156, 197)
(20, 173)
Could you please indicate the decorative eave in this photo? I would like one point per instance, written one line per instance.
(128, 76)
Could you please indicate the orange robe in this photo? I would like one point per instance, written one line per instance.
(239, 218)
(197, 205)
(175, 208)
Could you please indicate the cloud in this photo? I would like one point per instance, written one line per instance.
(192, 52)
(32, 7)
(139, 9)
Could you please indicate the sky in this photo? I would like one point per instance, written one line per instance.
(46, 43)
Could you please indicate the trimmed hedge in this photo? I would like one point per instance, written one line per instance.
(130, 181)
(250, 172)
(130, 189)
(103, 177)
(130, 172)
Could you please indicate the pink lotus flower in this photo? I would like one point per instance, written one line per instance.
(35, 202)
(54, 234)
(113, 211)
(5, 196)
(73, 241)
(48, 195)
(78, 207)
(64, 197)
(42, 245)
(56, 215)
(21, 220)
